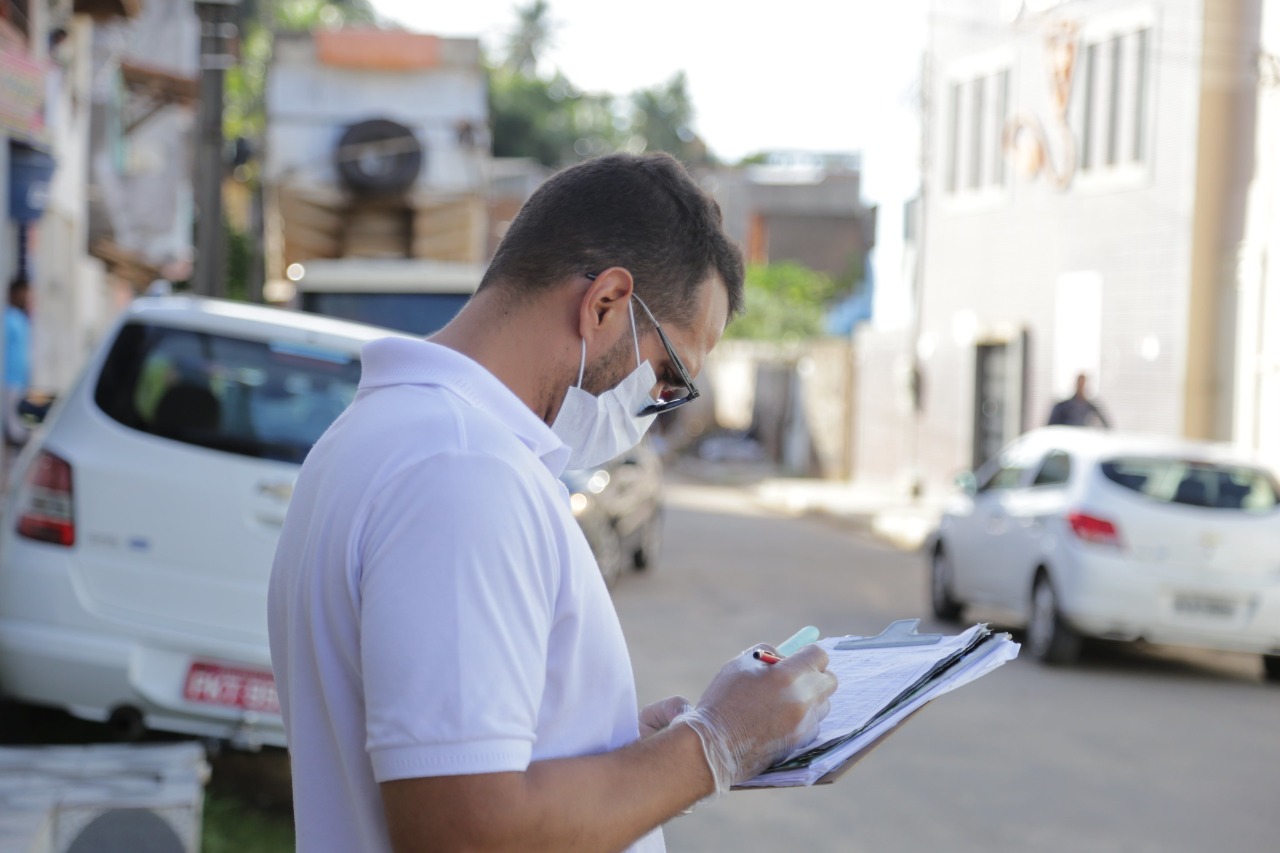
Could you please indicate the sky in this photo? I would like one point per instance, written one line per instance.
(810, 75)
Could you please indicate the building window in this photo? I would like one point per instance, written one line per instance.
(977, 122)
(953, 140)
(1090, 106)
(1142, 38)
(1002, 110)
(978, 108)
(1113, 118)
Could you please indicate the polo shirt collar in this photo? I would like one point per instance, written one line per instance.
(412, 361)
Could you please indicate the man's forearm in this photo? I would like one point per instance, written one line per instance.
(589, 803)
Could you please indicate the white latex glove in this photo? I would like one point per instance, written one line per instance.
(754, 713)
(656, 717)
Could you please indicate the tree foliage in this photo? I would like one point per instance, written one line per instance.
(543, 116)
(530, 38)
(243, 114)
(662, 116)
(548, 119)
(786, 301)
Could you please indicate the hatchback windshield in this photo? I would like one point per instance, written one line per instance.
(1219, 486)
(257, 398)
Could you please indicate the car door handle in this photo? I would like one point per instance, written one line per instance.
(281, 490)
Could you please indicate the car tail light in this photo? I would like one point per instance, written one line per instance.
(48, 514)
(1090, 528)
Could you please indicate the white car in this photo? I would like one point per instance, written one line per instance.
(143, 516)
(1080, 533)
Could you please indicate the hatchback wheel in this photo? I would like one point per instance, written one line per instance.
(945, 606)
(1271, 668)
(1049, 637)
(606, 545)
(646, 557)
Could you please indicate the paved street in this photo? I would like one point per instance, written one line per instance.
(1134, 751)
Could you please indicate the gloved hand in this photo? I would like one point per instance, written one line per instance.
(754, 713)
(656, 717)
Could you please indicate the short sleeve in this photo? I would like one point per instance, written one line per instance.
(456, 590)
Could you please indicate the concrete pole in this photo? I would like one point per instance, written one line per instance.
(217, 27)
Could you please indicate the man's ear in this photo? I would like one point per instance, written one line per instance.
(604, 306)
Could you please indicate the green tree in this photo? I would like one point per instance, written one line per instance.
(244, 108)
(530, 38)
(243, 114)
(785, 302)
(548, 119)
(663, 117)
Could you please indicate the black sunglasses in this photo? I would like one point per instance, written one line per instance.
(674, 397)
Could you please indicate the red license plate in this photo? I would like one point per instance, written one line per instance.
(231, 687)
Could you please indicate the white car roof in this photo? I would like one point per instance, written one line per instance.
(1097, 444)
(219, 315)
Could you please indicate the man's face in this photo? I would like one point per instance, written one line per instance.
(691, 343)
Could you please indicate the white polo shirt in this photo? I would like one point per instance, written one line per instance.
(434, 608)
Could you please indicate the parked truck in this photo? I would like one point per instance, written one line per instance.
(376, 175)
(416, 296)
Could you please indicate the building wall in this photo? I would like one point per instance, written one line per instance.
(811, 213)
(796, 399)
(1257, 380)
(309, 104)
(1096, 269)
(69, 311)
(142, 174)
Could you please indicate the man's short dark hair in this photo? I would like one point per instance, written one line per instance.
(643, 213)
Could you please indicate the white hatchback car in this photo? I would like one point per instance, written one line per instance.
(1082, 533)
(143, 516)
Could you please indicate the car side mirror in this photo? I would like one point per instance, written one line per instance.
(967, 483)
(34, 411)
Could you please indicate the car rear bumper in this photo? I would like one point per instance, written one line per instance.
(92, 674)
(1114, 598)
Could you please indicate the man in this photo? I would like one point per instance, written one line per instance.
(451, 671)
(17, 361)
(1077, 410)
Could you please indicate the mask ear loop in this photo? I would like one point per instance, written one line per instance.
(635, 338)
(582, 365)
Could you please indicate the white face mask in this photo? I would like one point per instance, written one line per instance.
(598, 428)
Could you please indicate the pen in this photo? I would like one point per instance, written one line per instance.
(798, 640)
(789, 646)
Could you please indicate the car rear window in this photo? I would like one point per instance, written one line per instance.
(265, 399)
(1206, 484)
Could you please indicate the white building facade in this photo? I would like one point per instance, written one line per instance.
(1088, 169)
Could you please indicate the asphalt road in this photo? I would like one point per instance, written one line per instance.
(1133, 750)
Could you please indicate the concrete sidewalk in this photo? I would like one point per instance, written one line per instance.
(887, 513)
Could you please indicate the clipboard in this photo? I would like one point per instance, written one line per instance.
(914, 685)
(904, 632)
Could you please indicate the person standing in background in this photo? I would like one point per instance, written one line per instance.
(17, 361)
(1078, 410)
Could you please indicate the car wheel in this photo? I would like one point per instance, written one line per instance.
(945, 606)
(646, 556)
(606, 545)
(1271, 668)
(1049, 637)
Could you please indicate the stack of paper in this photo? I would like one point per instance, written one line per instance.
(883, 680)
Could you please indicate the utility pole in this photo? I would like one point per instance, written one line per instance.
(217, 30)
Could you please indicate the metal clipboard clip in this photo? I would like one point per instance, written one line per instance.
(900, 633)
